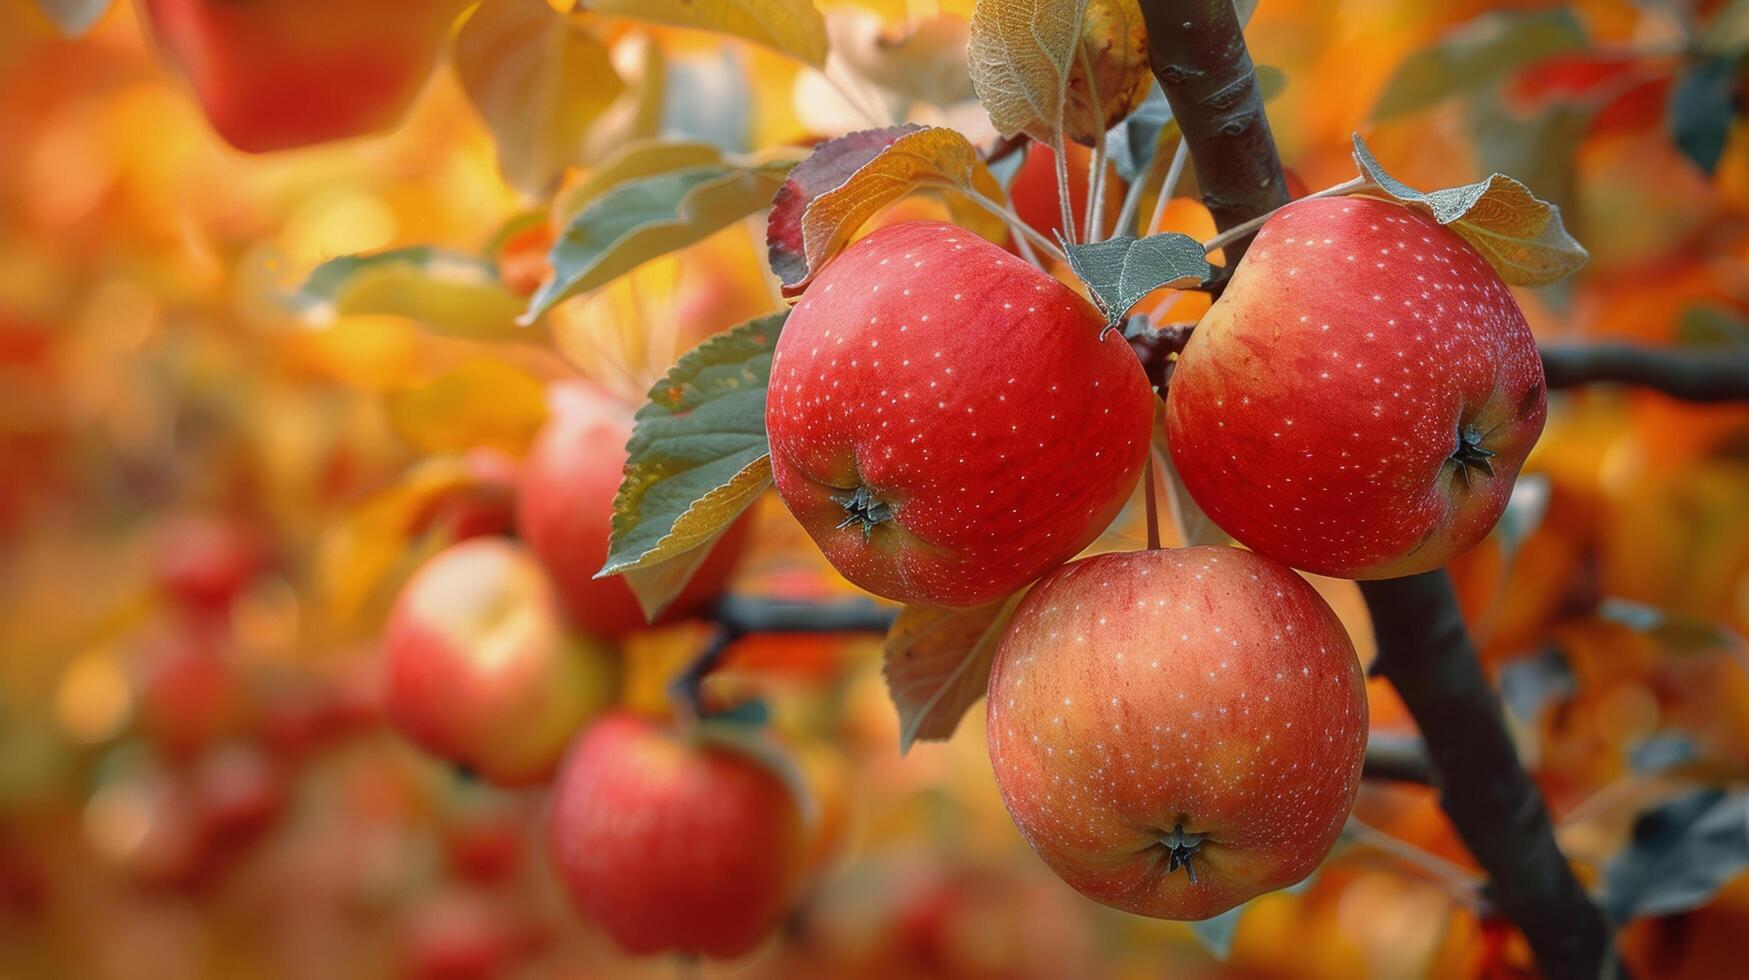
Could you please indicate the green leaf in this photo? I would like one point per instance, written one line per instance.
(698, 452)
(450, 293)
(937, 664)
(1132, 143)
(1521, 236)
(1702, 106)
(1121, 271)
(638, 220)
(1477, 54)
(1020, 54)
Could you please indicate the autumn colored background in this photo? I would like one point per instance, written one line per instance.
(197, 782)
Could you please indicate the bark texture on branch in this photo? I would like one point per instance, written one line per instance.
(1426, 653)
(1199, 55)
(1687, 373)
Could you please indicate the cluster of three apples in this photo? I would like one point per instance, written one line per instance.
(1174, 731)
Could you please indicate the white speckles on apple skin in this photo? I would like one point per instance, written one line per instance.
(1238, 707)
(1379, 364)
(1005, 436)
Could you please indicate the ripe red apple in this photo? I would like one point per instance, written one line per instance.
(205, 561)
(480, 668)
(564, 510)
(946, 420)
(1176, 732)
(1034, 190)
(1360, 399)
(669, 844)
(280, 74)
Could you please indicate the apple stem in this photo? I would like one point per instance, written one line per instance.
(1065, 205)
(1152, 507)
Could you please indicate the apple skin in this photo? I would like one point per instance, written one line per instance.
(1205, 687)
(670, 845)
(1320, 410)
(564, 510)
(203, 562)
(281, 74)
(480, 669)
(967, 394)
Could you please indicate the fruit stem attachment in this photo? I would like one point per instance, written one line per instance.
(1152, 507)
(862, 507)
(1469, 455)
(1238, 231)
(1182, 845)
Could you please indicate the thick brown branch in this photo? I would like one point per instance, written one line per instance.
(1426, 653)
(1199, 55)
(1688, 373)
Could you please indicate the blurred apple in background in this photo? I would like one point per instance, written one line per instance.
(481, 669)
(280, 74)
(565, 512)
(671, 844)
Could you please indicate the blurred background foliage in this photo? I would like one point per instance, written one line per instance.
(195, 782)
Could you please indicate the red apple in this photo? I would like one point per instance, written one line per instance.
(190, 693)
(1176, 732)
(947, 421)
(1360, 399)
(673, 845)
(279, 74)
(565, 512)
(480, 669)
(205, 561)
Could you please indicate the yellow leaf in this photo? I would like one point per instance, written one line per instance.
(1522, 237)
(357, 560)
(1021, 56)
(1114, 54)
(793, 27)
(937, 664)
(481, 403)
(538, 78)
(848, 180)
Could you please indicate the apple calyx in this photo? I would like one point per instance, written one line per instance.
(1469, 455)
(1181, 845)
(862, 507)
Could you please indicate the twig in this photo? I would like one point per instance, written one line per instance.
(1460, 883)
(1426, 654)
(1179, 156)
(1689, 374)
(1018, 226)
(1686, 374)
(739, 616)
(1398, 758)
(1151, 507)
